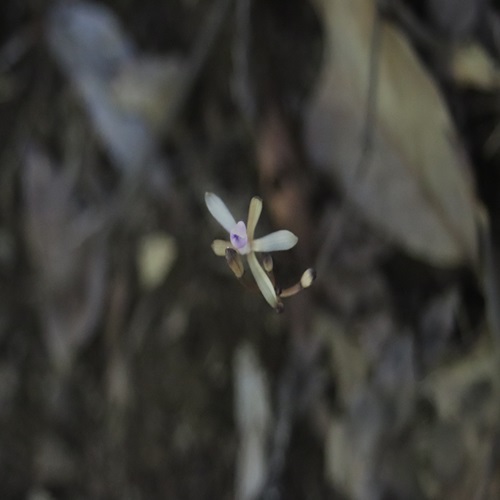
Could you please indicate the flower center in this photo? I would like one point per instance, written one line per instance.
(238, 235)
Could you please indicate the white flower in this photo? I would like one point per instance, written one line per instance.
(241, 242)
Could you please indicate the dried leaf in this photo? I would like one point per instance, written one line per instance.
(68, 257)
(253, 418)
(472, 66)
(148, 86)
(352, 447)
(348, 361)
(462, 390)
(415, 184)
(282, 178)
(96, 55)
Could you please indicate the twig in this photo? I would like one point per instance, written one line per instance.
(283, 429)
(241, 60)
(198, 59)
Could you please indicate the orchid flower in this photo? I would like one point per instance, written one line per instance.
(242, 243)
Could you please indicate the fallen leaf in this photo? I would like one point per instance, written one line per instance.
(349, 363)
(252, 409)
(69, 257)
(96, 55)
(415, 185)
(352, 449)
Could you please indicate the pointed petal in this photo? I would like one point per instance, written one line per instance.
(219, 247)
(219, 211)
(254, 211)
(263, 281)
(233, 259)
(280, 240)
(267, 263)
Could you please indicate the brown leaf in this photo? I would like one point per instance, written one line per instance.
(415, 186)
(283, 181)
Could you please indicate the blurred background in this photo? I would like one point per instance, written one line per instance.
(133, 365)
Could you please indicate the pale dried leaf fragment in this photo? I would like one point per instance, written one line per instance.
(472, 66)
(253, 420)
(415, 185)
(453, 387)
(148, 87)
(156, 255)
(349, 363)
(352, 446)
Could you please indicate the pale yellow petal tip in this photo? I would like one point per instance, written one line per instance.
(308, 278)
(219, 247)
(254, 211)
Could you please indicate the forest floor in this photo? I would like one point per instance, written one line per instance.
(135, 365)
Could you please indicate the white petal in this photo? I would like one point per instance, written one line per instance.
(262, 280)
(280, 240)
(219, 247)
(219, 211)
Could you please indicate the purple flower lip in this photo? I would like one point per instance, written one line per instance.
(238, 236)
